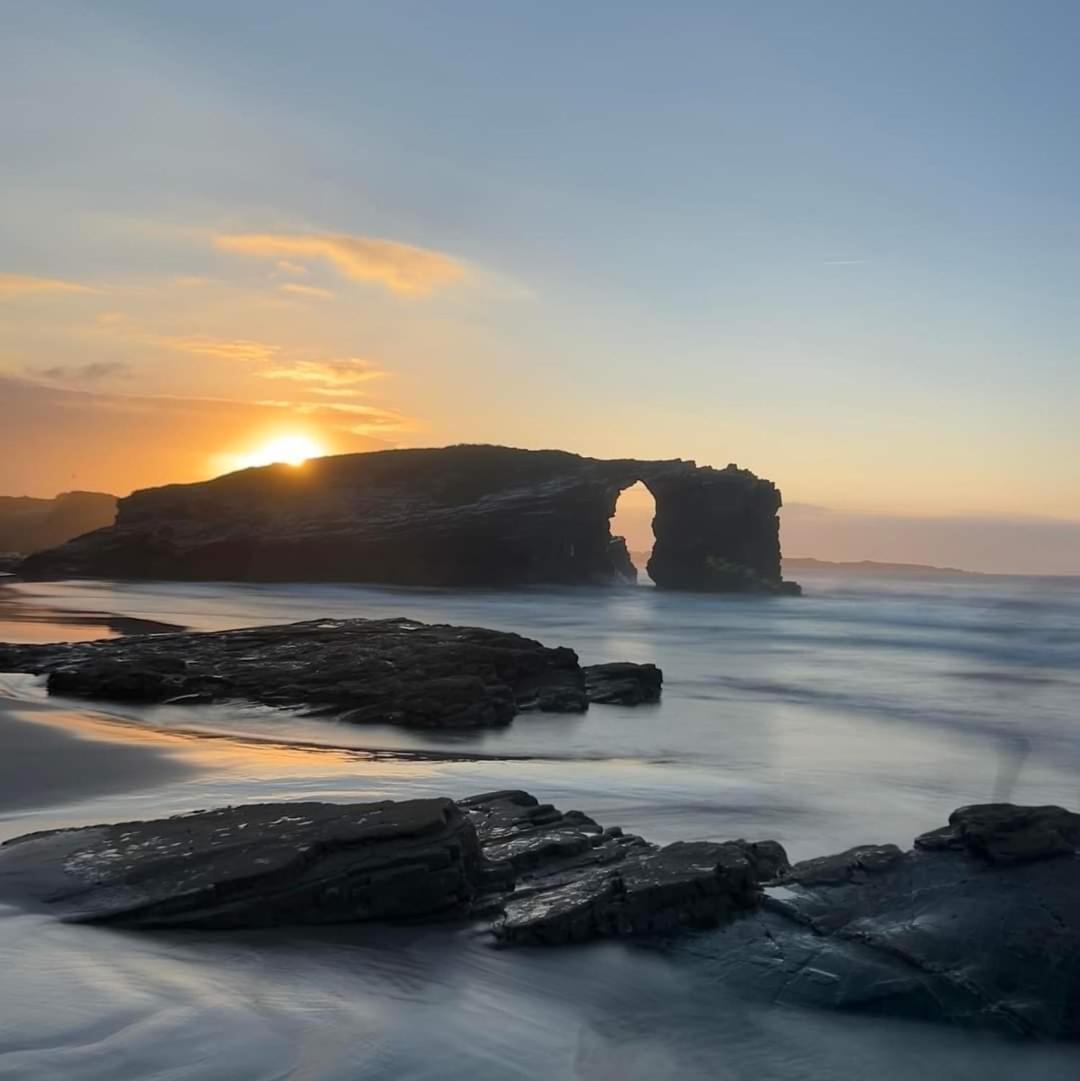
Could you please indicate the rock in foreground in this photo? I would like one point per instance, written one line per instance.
(381, 671)
(453, 516)
(947, 932)
(262, 865)
(539, 876)
(978, 925)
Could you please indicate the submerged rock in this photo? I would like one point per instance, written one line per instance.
(465, 515)
(381, 671)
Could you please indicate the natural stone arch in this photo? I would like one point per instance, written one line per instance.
(467, 515)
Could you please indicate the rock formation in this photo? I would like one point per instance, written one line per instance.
(365, 671)
(979, 925)
(535, 874)
(29, 525)
(466, 515)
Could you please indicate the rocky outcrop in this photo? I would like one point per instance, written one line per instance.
(623, 683)
(531, 872)
(364, 671)
(30, 525)
(262, 865)
(567, 879)
(979, 925)
(467, 515)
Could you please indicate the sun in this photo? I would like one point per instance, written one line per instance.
(289, 449)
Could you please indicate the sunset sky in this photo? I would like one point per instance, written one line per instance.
(838, 243)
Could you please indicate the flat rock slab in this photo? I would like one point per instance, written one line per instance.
(377, 671)
(258, 865)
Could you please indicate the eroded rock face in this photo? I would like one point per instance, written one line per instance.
(468, 515)
(378, 671)
(978, 925)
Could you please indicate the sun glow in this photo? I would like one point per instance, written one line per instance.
(289, 449)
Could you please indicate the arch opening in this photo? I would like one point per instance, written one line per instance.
(632, 521)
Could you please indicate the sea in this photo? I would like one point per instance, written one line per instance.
(864, 711)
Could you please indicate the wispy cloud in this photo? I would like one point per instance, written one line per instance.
(203, 345)
(307, 291)
(361, 419)
(401, 268)
(16, 285)
(844, 262)
(83, 373)
(338, 375)
(287, 266)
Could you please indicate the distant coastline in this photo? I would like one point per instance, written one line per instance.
(903, 570)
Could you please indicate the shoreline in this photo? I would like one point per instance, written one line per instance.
(19, 620)
(49, 757)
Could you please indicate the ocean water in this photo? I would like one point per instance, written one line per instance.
(864, 711)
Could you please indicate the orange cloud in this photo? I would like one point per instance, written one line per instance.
(220, 348)
(340, 375)
(307, 291)
(401, 268)
(14, 285)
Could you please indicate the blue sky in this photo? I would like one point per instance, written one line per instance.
(836, 242)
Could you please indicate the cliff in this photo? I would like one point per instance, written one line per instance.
(29, 525)
(457, 516)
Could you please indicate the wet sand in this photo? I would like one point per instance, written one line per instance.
(43, 764)
(36, 622)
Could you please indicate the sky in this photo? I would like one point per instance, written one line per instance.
(837, 243)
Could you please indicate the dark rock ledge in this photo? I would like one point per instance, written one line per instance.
(385, 671)
(978, 925)
(536, 874)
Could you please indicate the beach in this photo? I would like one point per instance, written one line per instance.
(764, 731)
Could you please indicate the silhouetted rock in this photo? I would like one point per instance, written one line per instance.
(379, 671)
(623, 683)
(29, 525)
(979, 925)
(467, 515)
